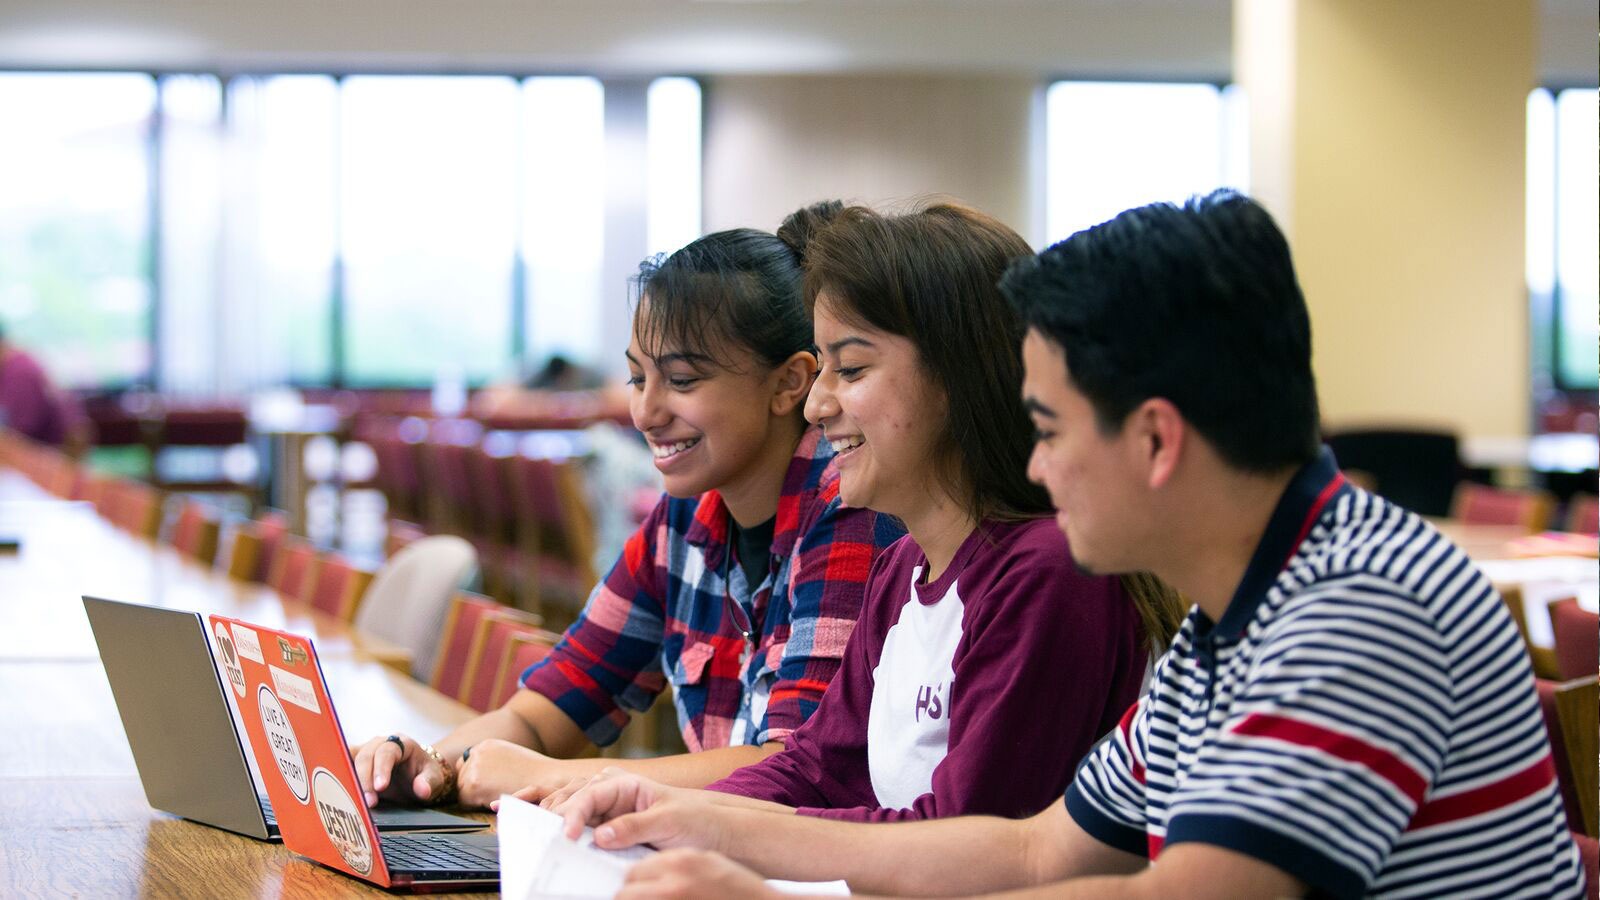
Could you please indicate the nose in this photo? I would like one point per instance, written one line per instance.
(647, 405)
(821, 404)
(1036, 465)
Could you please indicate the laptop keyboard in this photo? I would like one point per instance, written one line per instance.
(266, 810)
(424, 854)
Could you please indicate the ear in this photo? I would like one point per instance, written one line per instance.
(1158, 431)
(791, 381)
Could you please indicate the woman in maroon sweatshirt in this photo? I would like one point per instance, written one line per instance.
(984, 664)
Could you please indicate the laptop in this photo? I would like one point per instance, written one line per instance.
(300, 749)
(184, 729)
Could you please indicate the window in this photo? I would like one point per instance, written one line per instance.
(1563, 196)
(282, 219)
(672, 151)
(222, 235)
(191, 186)
(428, 226)
(563, 232)
(1111, 146)
(75, 237)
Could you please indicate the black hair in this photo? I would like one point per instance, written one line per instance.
(1196, 304)
(731, 289)
(930, 276)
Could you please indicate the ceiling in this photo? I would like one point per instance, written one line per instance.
(1095, 38)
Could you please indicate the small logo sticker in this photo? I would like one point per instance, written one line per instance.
(285, 747)
(342, 821)
(292, 655)
(230, 659)
(249, 644)
(295, 689)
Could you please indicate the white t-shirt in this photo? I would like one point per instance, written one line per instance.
(908, 727)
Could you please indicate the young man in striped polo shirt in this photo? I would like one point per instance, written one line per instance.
(1347, 711)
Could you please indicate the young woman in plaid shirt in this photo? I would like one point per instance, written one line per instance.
(740, 589)
(985, 665)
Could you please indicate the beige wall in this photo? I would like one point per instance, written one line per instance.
(1406, 212)
(775, 143)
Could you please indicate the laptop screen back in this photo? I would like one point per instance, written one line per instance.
(170, 699)
(300, 748)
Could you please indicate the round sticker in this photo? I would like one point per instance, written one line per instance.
(342, 821)
(281, 740)
(230, 660)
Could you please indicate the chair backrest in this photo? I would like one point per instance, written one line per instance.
(196, 533)
(1416, 468)
(337, 587)
(293, 566)
(1578, 705)
(136, 508)
(240, 561)
(1558, 752)
(490, 646)
(525, 650)
(1577, 638)
(1583, 514)
(467, 609)
(408, 600)
(1477, 504)
(271, 526)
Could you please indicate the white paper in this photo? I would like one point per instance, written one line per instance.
(538, 861)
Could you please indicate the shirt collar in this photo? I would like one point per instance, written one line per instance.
(809, 473)
(1310, 491)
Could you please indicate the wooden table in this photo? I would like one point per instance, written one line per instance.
(73, 816)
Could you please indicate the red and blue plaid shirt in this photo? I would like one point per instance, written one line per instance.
(660, 616)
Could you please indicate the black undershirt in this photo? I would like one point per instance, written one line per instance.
(752, 546)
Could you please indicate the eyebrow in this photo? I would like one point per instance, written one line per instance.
(851, 341)
(1034, 407)
(697, 360)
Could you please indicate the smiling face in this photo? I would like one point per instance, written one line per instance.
(1093, 479)
(708, 426)
(876, 405)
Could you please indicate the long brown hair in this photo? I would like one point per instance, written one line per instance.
(932, 276)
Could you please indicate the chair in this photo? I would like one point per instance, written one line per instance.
(455, 642)
(1583, 514)
(1416, 468)
(1477, 504)
(525, 650)
(272, 526)
(196, 533)
(555, 537)
(294, 565)
(1558, 752)
(136, 508)
(1577, 638)
(408, 600)
(491, 643)
(337, 587)
(1578, 707)
(243, 552)
(186, 448)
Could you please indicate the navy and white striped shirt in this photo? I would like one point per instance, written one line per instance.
(1362, 717)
